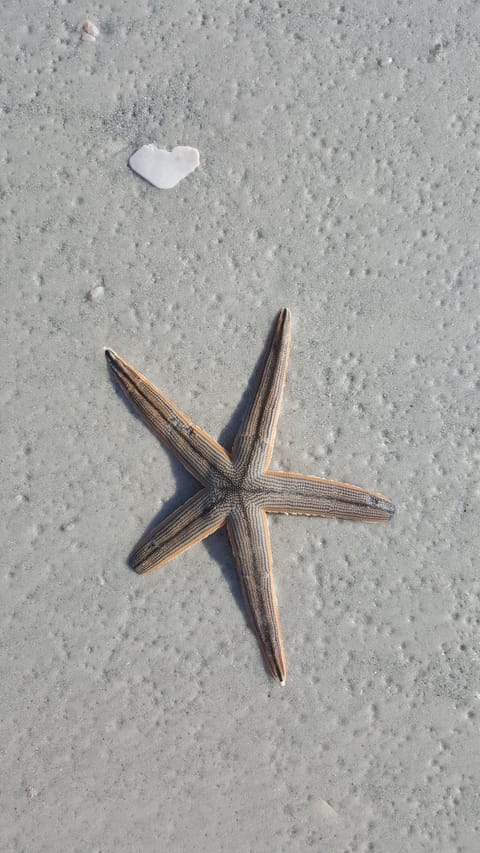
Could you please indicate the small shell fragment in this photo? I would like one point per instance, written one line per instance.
(89, 31)
(164, 169)
(95, 293)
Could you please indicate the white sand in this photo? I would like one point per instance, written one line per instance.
(339, 177)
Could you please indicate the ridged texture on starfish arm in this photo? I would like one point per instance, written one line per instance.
(194, 520)
(197, 451)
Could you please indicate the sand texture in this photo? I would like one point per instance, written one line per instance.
(338, 177)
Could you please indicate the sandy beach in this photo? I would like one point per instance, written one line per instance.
(338, 177)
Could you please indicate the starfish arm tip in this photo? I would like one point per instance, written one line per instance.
(388, 507)
(110, 355)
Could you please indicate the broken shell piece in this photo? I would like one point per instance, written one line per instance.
(164, 169)
(89, 31)
(96, 293)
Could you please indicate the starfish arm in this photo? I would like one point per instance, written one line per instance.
(295, 493)
(255, 438)
(248, 531)
(196, 450)
(190, 523)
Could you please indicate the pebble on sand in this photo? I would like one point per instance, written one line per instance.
(89, 31)
(95, 293)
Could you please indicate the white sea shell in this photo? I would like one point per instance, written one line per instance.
(96, 293)
(89, 31)
(164, 169)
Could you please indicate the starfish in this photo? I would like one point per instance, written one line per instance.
(239, 489)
